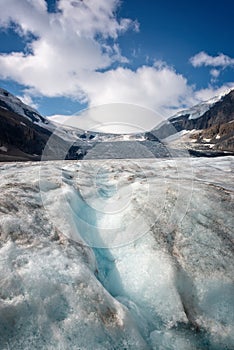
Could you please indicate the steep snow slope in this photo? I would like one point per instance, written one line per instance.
(117, 255)
(14, 104)
(24, 133)
(68, 132)
(198, 110)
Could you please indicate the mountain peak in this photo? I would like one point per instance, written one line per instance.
(201, 108)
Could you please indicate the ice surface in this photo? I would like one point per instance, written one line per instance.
(110, 254)
(127, 150)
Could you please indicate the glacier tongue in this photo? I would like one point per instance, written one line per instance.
(117, 254)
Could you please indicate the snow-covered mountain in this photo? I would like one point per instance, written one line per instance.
(206, 126)
(200, 109)
(24, 133)
(13, 104)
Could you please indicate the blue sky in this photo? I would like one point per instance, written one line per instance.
(174, 31)
(165, 55)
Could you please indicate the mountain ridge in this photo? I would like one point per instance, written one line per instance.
(24, 133)
(213, 128)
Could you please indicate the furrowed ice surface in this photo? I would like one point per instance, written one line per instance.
(117, 254)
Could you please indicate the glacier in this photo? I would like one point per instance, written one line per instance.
(117, 254)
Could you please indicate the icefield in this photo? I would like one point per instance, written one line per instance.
(117, 254)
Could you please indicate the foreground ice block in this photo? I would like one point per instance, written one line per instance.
(117, 255)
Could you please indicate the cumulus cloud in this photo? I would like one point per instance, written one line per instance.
(71, 53)
(159, 88)
(129, 118)
(65, 44)
(219, 63)
(211, 91)
(114, 117)
(214, 73)
(27, 99)
(203, 59)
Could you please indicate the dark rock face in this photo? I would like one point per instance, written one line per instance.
(24, 133)
(215, 125)
(21, 139)
(222, 112)
(218, 124)
(221, 136)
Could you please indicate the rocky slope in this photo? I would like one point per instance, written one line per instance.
(210, 125)
(24, 134)
(216, 124)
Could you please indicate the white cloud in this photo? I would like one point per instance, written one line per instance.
(127, 118)
(209, 92)
(203, 59)
(214, 73)
(73, 51)
(219, 63)
(114, 117)
(66, 44)
(27, 99)
(158, 88)
(68, 54)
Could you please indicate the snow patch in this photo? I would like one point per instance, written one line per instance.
(201, 108)
(3, 149)
(206, 140)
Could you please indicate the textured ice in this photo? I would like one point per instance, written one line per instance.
(127, 150)
(116, 254)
